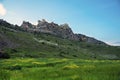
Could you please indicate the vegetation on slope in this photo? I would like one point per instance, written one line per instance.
(19, 43)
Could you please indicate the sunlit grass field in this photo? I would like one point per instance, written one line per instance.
(59, 69)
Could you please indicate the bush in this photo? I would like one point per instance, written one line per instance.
(15, 67)
(43, 43)
(4, 55)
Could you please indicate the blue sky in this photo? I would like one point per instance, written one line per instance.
(95, 18)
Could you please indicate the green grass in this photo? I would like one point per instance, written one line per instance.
(59, 69)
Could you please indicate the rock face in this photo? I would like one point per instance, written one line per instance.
(63, 31)
(27, 25)
(87, 39)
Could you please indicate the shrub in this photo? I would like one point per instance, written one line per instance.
(43, 43)
(4, 55)
(15, 67)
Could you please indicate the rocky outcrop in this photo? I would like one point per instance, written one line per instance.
(63, 31)
(27, 26)
(43, 26)
(87, 39)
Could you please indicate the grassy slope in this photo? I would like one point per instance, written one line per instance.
(59, 69)
(53, 65)
(27, 46)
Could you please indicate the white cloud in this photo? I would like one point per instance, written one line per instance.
(116, 43)
(113, 43)
(2, 10)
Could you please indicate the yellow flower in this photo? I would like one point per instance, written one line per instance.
(71, 66)
(38, 62)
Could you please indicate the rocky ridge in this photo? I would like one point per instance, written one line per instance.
(63, 31)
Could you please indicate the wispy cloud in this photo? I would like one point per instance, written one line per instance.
(2, 10)
(114, 43)
(117, 43)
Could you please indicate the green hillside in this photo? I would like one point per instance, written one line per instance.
(19, 43)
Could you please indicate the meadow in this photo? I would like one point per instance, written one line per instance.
(59, 69)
